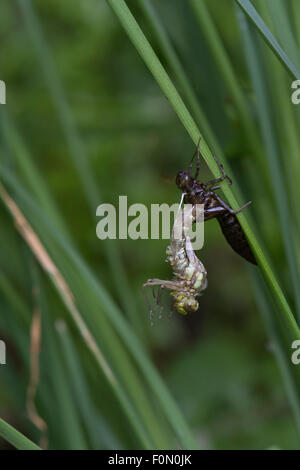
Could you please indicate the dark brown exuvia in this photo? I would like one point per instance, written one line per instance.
(197, 192)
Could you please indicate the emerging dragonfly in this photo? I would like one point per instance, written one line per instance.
(190, 274)
(197, 192)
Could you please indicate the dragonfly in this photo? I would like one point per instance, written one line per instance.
(190, 276)
(198, 192)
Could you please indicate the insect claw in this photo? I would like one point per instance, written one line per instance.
(197, 153)
(243, 207)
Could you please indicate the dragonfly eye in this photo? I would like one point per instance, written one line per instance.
(185, 304)
(182, 180)
(192, 305)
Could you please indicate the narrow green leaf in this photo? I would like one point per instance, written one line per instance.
(16, 438)
(269, 137)
(296, 19)
(78, 154)
(99, 432)
(90, 291)
(268, 37)
(66, 295)
(179, 73)
(20, 154)
(283, 29)
(226, 71)
(145, 50)
(280, 349)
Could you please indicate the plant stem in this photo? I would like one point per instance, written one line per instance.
(15, 438)
(268, 37)
(226, 70)
(148, 55)
(271, 145)
(179, 73)
(78, 155)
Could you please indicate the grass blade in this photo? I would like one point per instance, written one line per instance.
(280, 348)
(98, 431)
(49, 267)
(226, 70)
(148, 55)
(271, 145)
(64, 112)
(20, 155)
(78, 153)
(283, 29)
(268, 37)
(15, 438)
(70, 432)
(178, 72)
(296, 19)
(91, 291)
(284, 111)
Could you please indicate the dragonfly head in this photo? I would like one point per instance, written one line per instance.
(185, 304)
(184, 181)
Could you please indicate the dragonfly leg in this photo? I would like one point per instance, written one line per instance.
(220, 179)
(221, 168)
(196, 154)
(241, 208)
(147, 302)
(214, 212)
(158, 300)
(228, 208)
(172, 285)
(214, 181)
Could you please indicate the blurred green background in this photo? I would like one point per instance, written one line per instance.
(218, 363)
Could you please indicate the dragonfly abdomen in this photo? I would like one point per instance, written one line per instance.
(235, 236)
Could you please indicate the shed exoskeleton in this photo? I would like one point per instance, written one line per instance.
(190, 276)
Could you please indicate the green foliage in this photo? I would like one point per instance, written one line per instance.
(85, 122)
(15, 437)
